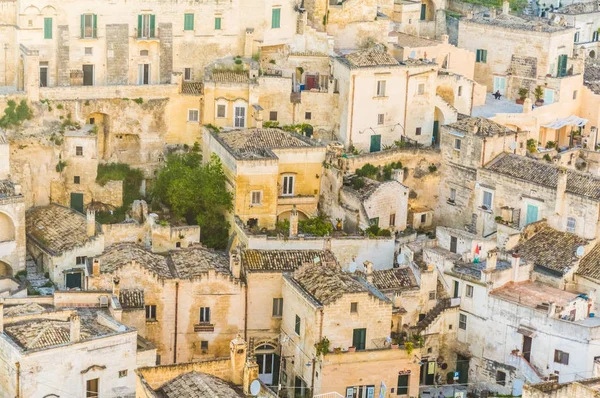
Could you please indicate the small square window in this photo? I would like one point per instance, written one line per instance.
(574, 94)
(80, 260)
(150, 312)
(380, 119)
(177, 244)
(459, 91)
(122, 373)
(457, 143)
(353, 308)
(561, 357)
(418, 131)
(256, 198)
(221, 110)
(89, 51)
(307, 115)
(500, 378)
(78, 151)
(424, 217)
(76, 180)
(432, 295)
(273, 116)
(204, 314)
(462, 322)
(469, 292)
(204, 345)
(421, 89)
(450, 327)
(193, 115)
(187, 74)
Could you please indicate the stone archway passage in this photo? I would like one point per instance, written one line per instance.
(7, 228)
(5, 269)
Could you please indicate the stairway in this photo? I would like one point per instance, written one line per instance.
(36, 279)
(431, 316)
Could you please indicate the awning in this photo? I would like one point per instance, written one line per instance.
(568, 121)
(525, 331)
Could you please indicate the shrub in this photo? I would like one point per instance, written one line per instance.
(15, 114)
(550, 145)
(432, 168)
(318, 226)
(547, 158)
(368, 170)
(139, 101)
(358, 183)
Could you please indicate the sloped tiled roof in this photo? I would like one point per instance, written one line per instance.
(545, 174)
(192, 88)
(22, 309)
(590, 264)
(198, 385)
(254, 260)
(579, 8)
(197, 260)
(7, 189)
(57, 228)
(485, 127)
(229, 77)
(120, 254)
(550, 249)
(369, 59)
(394, 279)
(518, 22)
(406, 40)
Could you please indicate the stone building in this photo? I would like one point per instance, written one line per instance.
(60, 240)
(585, 18)
(332, 357)
(185, 301)
(12, 217)
(584, 388)
(68, 344)
(269, 171)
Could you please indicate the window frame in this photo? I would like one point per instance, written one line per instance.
(77, 180)
(452, 198)
(224, 105)
(78, 150)
(92, 28)
(469, 290)
(273, 116)
(260, 198)
(459, 91)
(146, 26)
(204, 315)
(218, 23)
(457, 144)
(307, 115)
(484, 204)
(188, 21)
(462, 321)
(501, 381)
(276, 18)
(123, 373)
(277, 310)
(573, 221)
(236, 118)
(481, 56)
(392, 222)
(90, 393)
(298, 325)
(418, 131)
(421, 89)
(48, 28)
(354, 307)
(362, 342)
(380, 119)
(380, 88)
(150, 311)
(187, 77)
(402, 389)
(285, 186)
(559, 357)
(197, 111)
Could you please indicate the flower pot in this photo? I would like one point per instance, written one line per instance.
(539, 102)
(351, 349)
(520, 101)
(395, 346)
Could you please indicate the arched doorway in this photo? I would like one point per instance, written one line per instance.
(102, 127)
(268, 363)
(5, 269)
(286, 215)
(7, 228)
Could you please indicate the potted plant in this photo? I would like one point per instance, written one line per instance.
(538, 93)
(351, 349)
(523, 93)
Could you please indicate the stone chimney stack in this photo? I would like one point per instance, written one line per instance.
(294, 222)
(235, 263)
(492, 260)
(369, 271)
(237, 353)
(116, 286)
(91, 223)
(561, 187)
(96, 267)
(505, 7)
(515, 263)
(75, 328)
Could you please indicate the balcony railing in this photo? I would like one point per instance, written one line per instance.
(204, 328)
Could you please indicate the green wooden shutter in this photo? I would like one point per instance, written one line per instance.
(188, 22)
(95, 26)
(484, 56)
(139, 26)
(47, 28)
(152, 24)
(218, 23)
(82, 26)
(423, 11)
(276, 18)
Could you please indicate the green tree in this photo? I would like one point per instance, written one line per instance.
(15, 114)
(197, 193)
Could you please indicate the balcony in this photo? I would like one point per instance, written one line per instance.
(298, 200)
(204, 328)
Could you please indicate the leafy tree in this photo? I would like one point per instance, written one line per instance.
(197, 193)
(318, 226)
(15, 114)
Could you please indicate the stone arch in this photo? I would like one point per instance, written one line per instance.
(7, 228)
(285, 215)
(49, 10)
(5, 269)
(32, 10)
(430, 8)
(102, 122)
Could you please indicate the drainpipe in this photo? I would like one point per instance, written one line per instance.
(405, 102)
(246, 313)
(351, 107)
(18, 388)
(472, 96)
(314, 360)
(176, 317)
(483, 154)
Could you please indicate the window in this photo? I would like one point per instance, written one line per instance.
(561, 357)
(360, 392)
(359, 338)
(188, 22)
(374, 221)
(76, 179)
(459, 91)
(91, 388)
(595, 35)
(273, 116)
(424, 218)
(256, 198)
(144, 53)
(562, 65)
(454, 249)
(487, 200)
(80, 260)
(204, 314)
(276, 18)
(381, 88)
(354, 307)
(481, 56)
(240, 116)
(307, 115)
(78, 151)
(47, 28)
(462, 322)
(297, 326)
(217, 23)
(221, 110)
(423, 11)
(193, 115)
(452, 198)
(380, 119)
(204, 345)
(393, 220)
(288, 186)
(457, 144)
(432, 295)
(146, 23)
(574, 94)
(150, 312)
(500, 378)
(187, 74)
(571, 223)
(178, 244)
(402, 387)
(122, 373)
(576, 38)
(277, 307)
(418, 131)
(421, 89)
(88, 26)
(143, 74)
(89, 51)
(469, 292)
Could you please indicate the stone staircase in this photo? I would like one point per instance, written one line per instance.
(35, 278)
(431, 316)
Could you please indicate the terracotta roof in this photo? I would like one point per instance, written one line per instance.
(254, 260)
(230, 76)
(131, 298)
(394, 279)
(120, 254)
(192, 88)
(520, 23)
(480, 126)
(550, 249)
(7, 189)
(257, 143)
(590, 264)
(196, 260)
(57, 228)
(369, 59)
(198, 385)
(545, 174)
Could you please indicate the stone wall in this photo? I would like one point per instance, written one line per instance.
(117, 54)
(156, 376)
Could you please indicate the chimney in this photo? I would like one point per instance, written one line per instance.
(116, 286)
(294, 222)
(235, 263)
(237, 354)
(1, 315)
(91, 223)
(505, 7)
(492, 260)
(561, 187)
(96, 267)
(445, 39)
(515, 264)
(398, 175)
(369, 271)
(75, 328)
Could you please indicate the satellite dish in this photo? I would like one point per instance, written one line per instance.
(513, 146)
(255, 388)
(580, 251)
